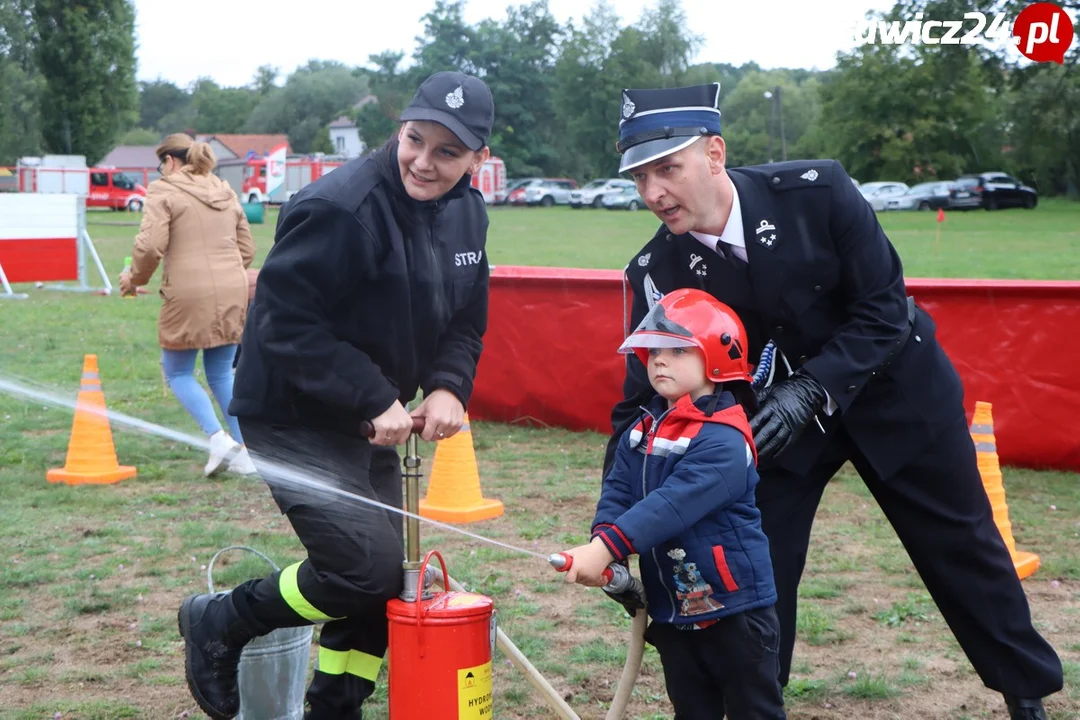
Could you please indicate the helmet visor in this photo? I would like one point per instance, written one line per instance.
(656, 330)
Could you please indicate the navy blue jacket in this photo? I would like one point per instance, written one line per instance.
(681, 495)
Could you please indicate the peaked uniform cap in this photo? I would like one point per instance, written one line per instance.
(658, 122)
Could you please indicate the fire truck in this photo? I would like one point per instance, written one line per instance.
(275, 179)
(103, 187)
(490, 180)
(298, 173)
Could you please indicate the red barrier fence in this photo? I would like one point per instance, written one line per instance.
(550, 355)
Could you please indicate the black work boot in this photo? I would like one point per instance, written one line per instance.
(1025, 708)
(214, 636)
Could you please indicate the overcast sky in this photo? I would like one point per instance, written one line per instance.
(286, 33)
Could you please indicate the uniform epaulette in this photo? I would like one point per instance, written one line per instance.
(796, 174)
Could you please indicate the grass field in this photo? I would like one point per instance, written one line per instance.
(92, 576)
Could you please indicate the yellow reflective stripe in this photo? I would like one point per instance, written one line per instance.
(333, 662)
(353, 662)
(290, 593)
(363, 665)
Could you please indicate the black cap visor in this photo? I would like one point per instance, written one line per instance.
(448, 121)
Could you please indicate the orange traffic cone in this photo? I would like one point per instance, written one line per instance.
(454, 486)
(982, 432)
(91, 455)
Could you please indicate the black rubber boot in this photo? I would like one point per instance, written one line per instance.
(214, 636)
(1025, 708)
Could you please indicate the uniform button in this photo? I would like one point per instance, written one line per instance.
(851, 388)
(817, 288)
(803, 359)
(779, 328)
(775, 180)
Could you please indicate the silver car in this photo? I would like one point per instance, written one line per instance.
(593, 193)
(626, 199)
(879, 193)
(549, 192)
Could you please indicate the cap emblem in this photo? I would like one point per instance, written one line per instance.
(455, 99)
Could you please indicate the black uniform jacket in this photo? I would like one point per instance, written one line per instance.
(824, 283)
(365, 297)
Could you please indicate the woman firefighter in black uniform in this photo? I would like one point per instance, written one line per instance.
(376, 288)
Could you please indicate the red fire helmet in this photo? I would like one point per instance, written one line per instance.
(693, 318)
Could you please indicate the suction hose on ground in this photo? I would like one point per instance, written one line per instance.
(626, 681)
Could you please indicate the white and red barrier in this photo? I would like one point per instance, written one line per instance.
(43, 238)
(550, 354)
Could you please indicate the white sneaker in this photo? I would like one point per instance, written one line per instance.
(222, 448)
(241, 464)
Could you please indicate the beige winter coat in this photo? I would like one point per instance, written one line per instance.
(196, 225)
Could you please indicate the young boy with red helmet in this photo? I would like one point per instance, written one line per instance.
(681, 496)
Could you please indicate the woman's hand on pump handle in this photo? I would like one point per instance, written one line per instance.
(443, 415)
(393, 427)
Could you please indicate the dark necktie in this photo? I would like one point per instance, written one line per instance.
(728, 253)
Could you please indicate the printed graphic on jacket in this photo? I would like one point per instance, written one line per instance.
(691, 590)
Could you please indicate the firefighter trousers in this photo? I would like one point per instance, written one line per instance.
(941, 513)
(354, 556)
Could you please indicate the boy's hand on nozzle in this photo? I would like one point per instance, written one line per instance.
(589, 563)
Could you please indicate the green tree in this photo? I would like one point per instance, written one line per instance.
(665, 42)
(312, 96)
(221, 110)
(85, 50)
(139, 136)
(517, 59)
(749, 118)
(20, 84)
(378, 120)
(585, 98)
(161, 103)
(447, 41)
(265, 80)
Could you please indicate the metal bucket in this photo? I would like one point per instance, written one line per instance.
(274, 667)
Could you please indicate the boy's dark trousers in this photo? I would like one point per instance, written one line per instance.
(731, 667)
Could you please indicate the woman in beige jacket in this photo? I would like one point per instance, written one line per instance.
(194, 226)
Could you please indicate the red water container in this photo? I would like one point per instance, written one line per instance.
(439, 655)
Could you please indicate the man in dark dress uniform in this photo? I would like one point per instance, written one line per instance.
(859, 376)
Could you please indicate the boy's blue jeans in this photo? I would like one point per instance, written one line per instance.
(179, 369)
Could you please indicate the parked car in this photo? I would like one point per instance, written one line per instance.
(593, 193)
(516, 195)
(550, 191)
(512, 185)
(924, 196)
(625, 199)
(991, 190)
(878, 193)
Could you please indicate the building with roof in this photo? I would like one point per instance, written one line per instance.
(345, 137)
(227, 146)
(131, 157)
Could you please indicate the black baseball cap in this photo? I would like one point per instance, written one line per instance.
(460, 102)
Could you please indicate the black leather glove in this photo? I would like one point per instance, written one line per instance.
(787, 408)
(630, 600)
(633, 598)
